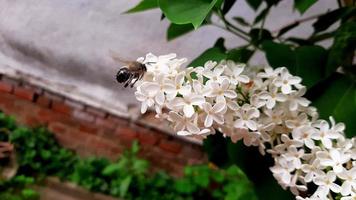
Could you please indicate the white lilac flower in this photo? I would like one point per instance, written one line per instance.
(221, 90)
(213, 72)
(326, 183)
(235, 70)
(349, 184)
(249, 138)
(312, 170)
(272, 96)
(213, 113)
(174, 87)
(294, 156)
(334, 159)
(286, 81)
(325, 134)
(246, 116)
(287, 142)
(146, 93)
(182, 123)
(295, 99)
(187, 102)
(269, 111)
(305, 134)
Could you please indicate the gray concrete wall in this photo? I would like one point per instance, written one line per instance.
(64, 45)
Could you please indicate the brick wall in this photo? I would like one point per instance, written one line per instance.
(91, 131)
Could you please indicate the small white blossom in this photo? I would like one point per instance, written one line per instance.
(246, 114)
(286, 81)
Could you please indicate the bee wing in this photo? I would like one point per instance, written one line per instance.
(117, 58)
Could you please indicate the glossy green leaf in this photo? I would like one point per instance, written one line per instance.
(344, 45)
(303, 5)
(255, 4)
(177, 30)
(239, 55)
(325, 21)
(143, 5)
(259, 35)
(280, 55)
(310, 64)
(215, 54)
(187, 11)
(338, 99)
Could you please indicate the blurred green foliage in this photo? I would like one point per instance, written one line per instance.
(129, 177)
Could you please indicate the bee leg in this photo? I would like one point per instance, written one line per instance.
(137, 76)
(128, 81)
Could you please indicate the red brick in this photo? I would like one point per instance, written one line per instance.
(101, 143)
(34, 88)
(84, 116)
(61, 107)
(43, 101)
(106, 123)
(118, 120)
(32, 121)
(126, 132)
(5, 87)
(194, 161)
(24, 93)
(58, 127)
(11, 81)
(190, 152)
(7, 99)
(170, 146)
(147, 138)
(53, 96)
(81, 136)
(88, 128)
(46, 115)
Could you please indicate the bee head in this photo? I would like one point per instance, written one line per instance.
(123, 75)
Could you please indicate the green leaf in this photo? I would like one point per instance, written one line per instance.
(259, 35)
(280, 55)
(325, 21)
(261, 16)
(124, 186)
(239, 55)
(187, 11)
(287, 28)
(255, 4)
(29, 193)
(184, 186)
(310, 62)
(215, 54)
(344, 45)
(227, 5)
(111, 169)
(339, 100)
(241, 21)
(176, 30)
(144, 5)
(135, 147)
(303, 5)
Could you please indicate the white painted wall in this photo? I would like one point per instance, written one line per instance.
(64, 45)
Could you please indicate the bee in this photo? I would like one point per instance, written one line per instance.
(131, 73)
